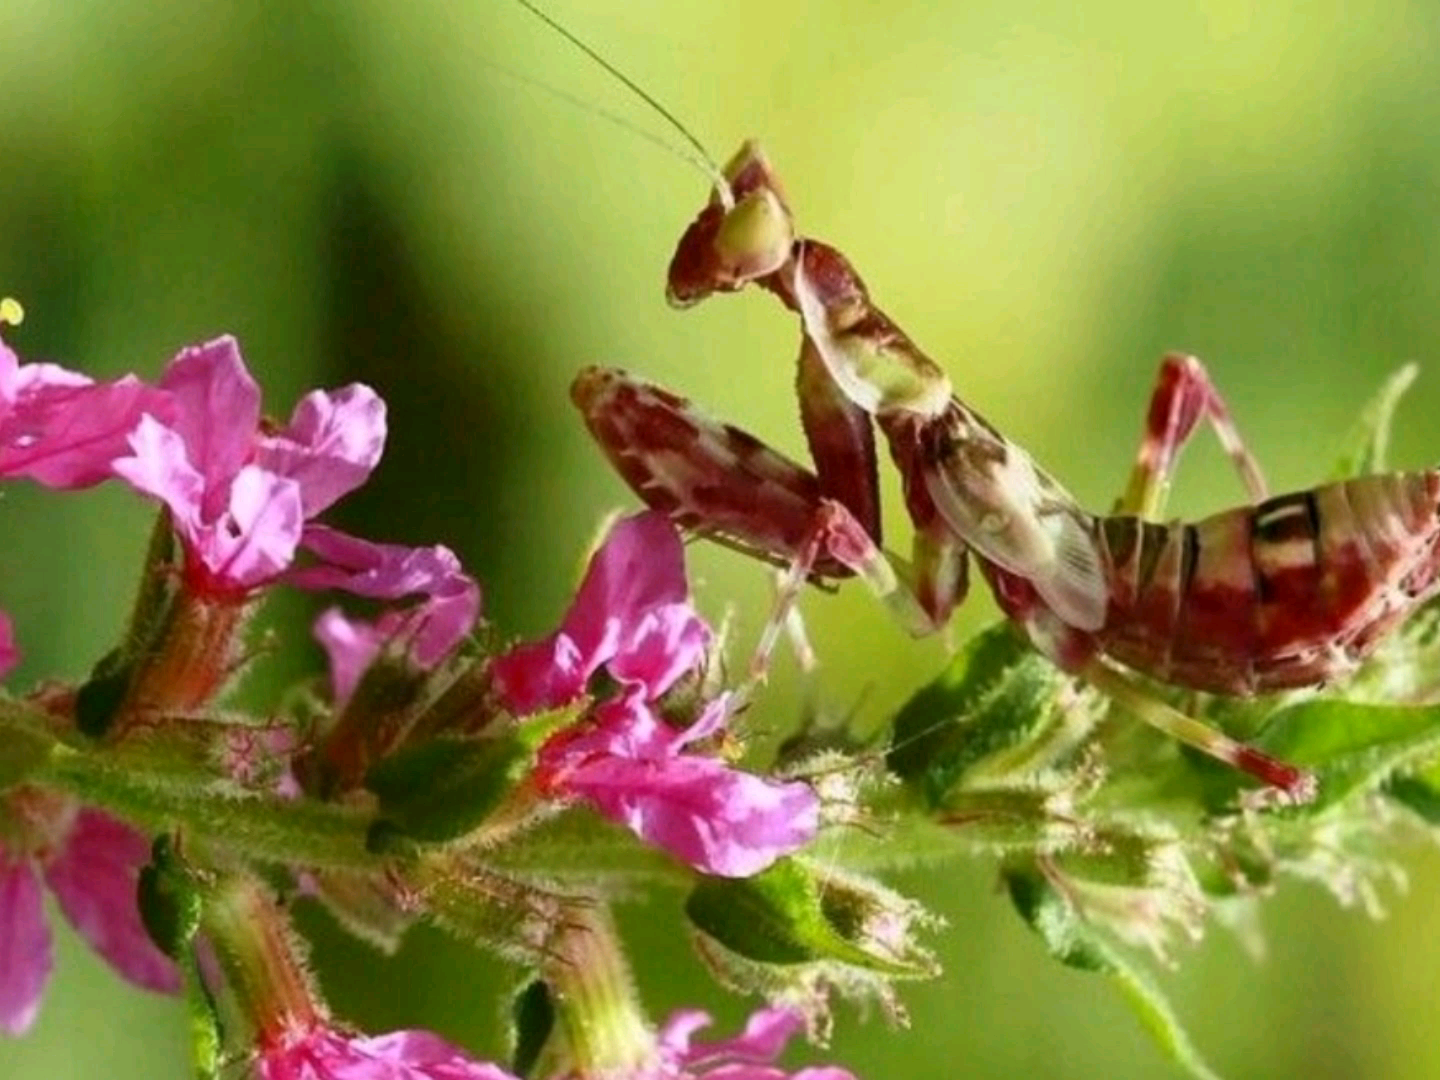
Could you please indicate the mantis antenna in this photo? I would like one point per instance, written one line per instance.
(701, 158)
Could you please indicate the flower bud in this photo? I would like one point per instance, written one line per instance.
(170, 902)
(443, 789)
(792, 914)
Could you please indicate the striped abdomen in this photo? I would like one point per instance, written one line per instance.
(1293, 592)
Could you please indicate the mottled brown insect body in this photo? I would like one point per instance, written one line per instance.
(1296, 591)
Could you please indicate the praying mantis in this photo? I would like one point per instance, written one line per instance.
(1284, 592)
(1291, 591)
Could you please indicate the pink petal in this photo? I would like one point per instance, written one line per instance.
(10, 377)
(352, 646)
(159, 466)
(94, 877)
(258, 538)
(631, 608)
(401, 1055)
(332, 444)
(392, 572)
(662, 645)
(640, 567)
(9, 653)
(540, 675)
(25, 958)
(764, 1039)
(745, 1057)
(217, 411)
(720, 820)
(65, 432)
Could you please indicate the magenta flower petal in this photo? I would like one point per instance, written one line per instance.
(239, 497)
(244, 539)
(25, 958)
(94, 877)
(62, 429)
(663, 644)
(217, 411)
(351, 646)
(393, 572)
(324, 1054)
(745, 1057)
(9, 652)
(632, 612)
(66, 436)
(541, 674)
(159, 466)
(257, 538)
(632, 768)
(331, 446)
(765, 1037)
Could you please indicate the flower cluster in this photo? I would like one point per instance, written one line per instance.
(428, 767)
(511, 793)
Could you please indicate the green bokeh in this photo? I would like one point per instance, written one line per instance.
(1046, 195)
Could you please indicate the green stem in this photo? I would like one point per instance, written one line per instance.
(262, 958)
(268, 828)
(604, 1026)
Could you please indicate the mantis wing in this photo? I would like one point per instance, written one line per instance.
(1014, 514)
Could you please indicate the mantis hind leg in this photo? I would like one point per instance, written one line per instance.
(1184, 394)
(1295, 785)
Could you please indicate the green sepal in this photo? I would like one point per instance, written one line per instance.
(785, 915)
(100, 697)
(1352, 747)
(207, 1041)
(1076, 944)
(170, 902)
(993, 711)
(1365, 444)
(532, 1015)
(442, 789)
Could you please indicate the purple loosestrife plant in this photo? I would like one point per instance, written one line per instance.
(446, 779)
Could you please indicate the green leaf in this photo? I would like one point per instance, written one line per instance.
(1077, 944)
(1351, 747)
(784, 915)
(1366, 443)
(442, 789)
(1418, 795)
(993, 710)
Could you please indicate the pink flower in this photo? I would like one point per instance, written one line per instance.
(634, 769)
(632, 614)
(91, 863)
(325, 1054)
(745, 1057)
(9, 652)
(431, 629)
(63, 430)
(239, 496)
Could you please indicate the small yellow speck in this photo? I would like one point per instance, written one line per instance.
(10, 311)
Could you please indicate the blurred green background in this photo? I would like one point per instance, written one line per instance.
(1046, 195)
